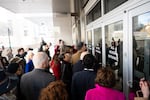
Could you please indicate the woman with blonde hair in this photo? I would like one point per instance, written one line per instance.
(54, 91)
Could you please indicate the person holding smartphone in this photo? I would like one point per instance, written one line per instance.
(144, 85)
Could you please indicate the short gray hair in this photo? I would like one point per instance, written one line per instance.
(39, 59)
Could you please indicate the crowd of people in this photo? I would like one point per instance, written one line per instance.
(70, 74)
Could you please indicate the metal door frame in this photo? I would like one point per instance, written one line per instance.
(128, 46)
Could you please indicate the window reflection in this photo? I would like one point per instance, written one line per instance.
(142, 24)
(114, 45)
(89, 45)
(141, 47)
(94, 14)
(111, 4)
(98, 44)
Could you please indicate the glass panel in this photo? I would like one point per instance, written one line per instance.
(89, 45)
(96, 11)
(98, 44)
(141, 48)
(114, 52)
(111, 4)
(89, 18)
(94, 14)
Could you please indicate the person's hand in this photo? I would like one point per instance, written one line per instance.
(144, 88)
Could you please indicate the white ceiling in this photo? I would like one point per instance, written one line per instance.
(37, 11)
(36, 6)
(62, 6)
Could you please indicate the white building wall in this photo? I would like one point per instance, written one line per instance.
(62, 30)
(16, 25)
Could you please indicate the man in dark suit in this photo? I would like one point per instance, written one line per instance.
(37, 79)
(78, 66)
(84, 80)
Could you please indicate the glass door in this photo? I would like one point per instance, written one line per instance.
(139, 18)
(114, 51)
(98, 44)
(89, 41)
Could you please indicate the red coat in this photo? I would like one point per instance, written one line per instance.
(56, 69)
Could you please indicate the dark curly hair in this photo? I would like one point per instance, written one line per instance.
(89, 61)
(105, 77)
(54, 91)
